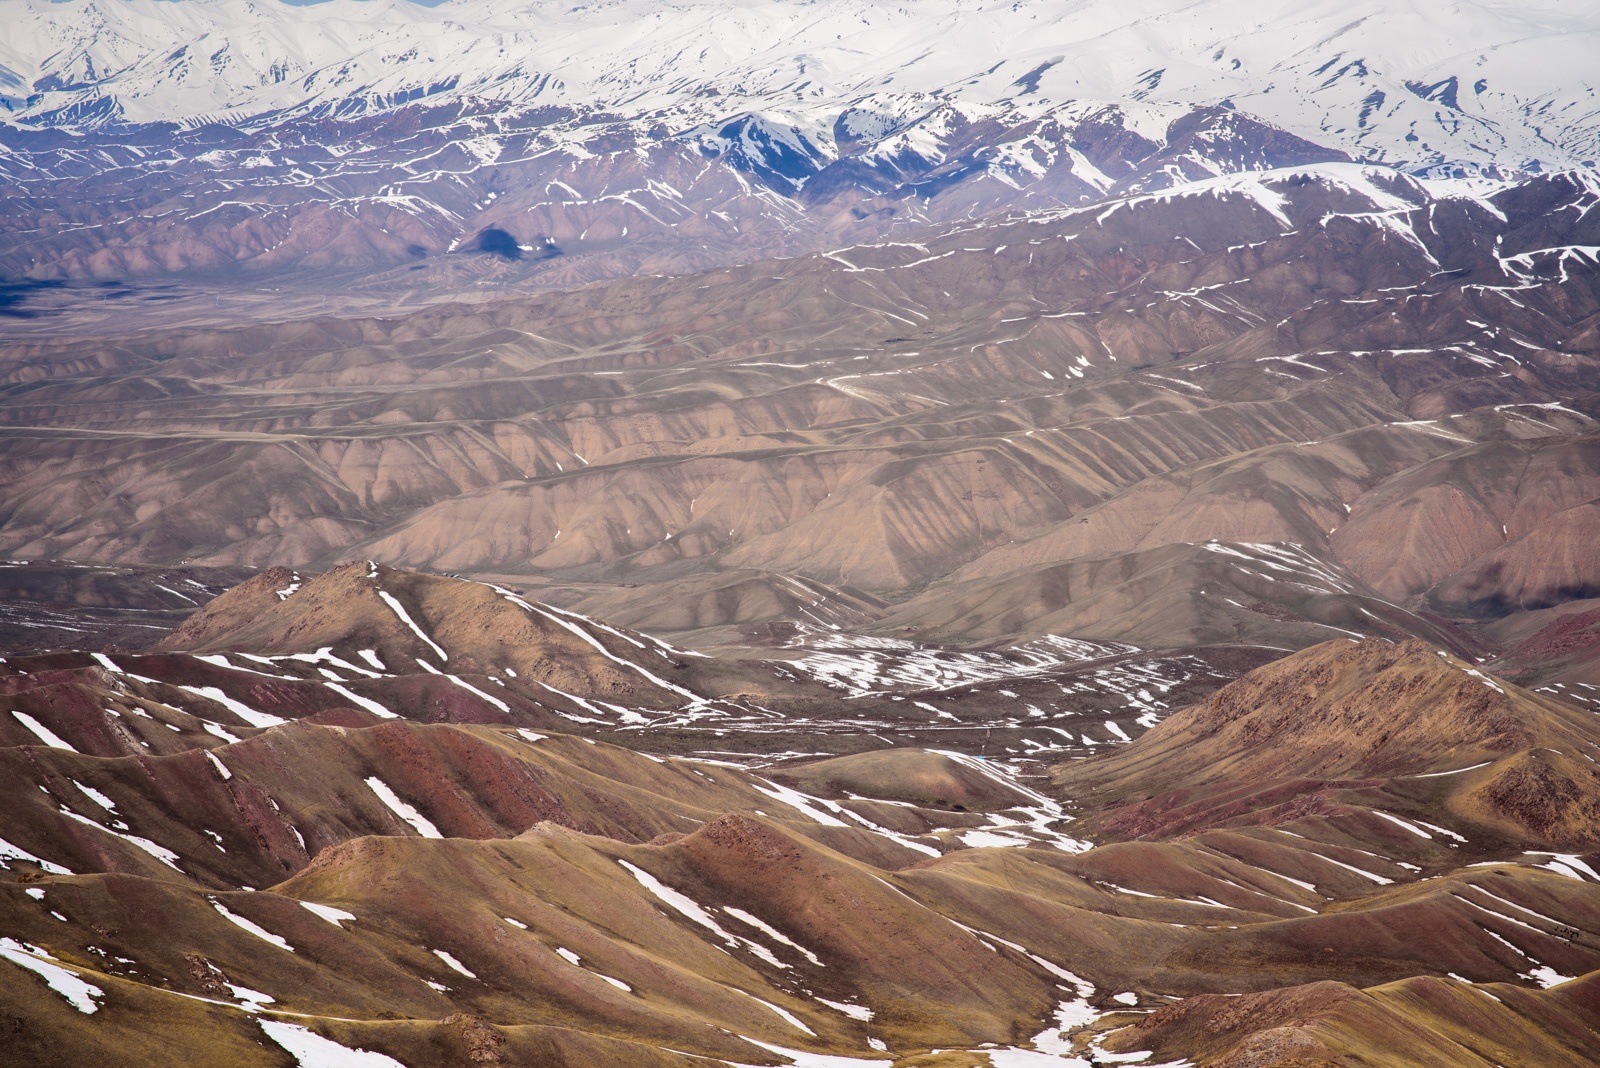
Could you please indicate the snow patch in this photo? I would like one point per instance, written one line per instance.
(453, 963)
(855, 1012)
(329, 913)
(311, 1050)
(253, 999)
(361, 702)
(160, 852)
(251, 926)
(405, 617)
(686, 906)
(417, 820)
(771, 932)
(43, 733)
(79, 994)
(238, 708)
(216, 762)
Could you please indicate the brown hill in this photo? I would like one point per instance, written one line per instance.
(914, 775)
(1415, 1023)
(404, 622)
(1361, 714)
(363, 644)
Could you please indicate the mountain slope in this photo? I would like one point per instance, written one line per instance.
(1412, 1022)
(1479, 80)
(1023, 427)
(1002, 393)
(1345, 716)
(402, 623)
(428, 892)
(394, 154)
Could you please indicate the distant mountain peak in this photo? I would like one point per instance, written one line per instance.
(1473, 85)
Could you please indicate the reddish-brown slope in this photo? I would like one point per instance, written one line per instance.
(1344, 715)
(1415, 1023)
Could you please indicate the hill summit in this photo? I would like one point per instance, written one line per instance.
(405, 622)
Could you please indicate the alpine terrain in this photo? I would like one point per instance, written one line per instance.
(723, 533)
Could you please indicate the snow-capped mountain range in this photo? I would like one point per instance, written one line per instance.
(369, 133)
(1417, 84)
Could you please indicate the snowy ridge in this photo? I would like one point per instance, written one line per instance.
(1421, 86)
(619, 138)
